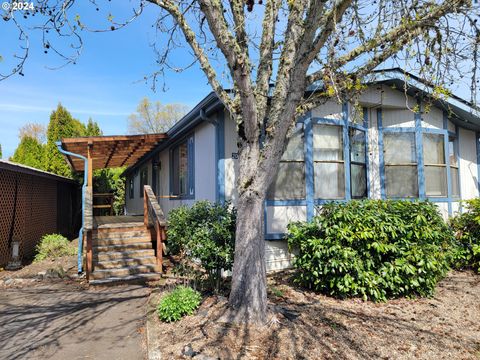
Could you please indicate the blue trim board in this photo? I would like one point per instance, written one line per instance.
(318, 120)
(309, 167)
(346, 151)
(297, 202)
(447, 161)
(220, 158)
(419, 150)
(381, 159)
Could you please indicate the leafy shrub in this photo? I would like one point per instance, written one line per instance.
(372, 248)
(203, 234)
(53, 246)
(467, 232)
(111, 181)
(180, 302)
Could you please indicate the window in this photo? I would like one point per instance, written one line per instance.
(358, 168)
(289, 183)
(143, 180)
(130, 188)
(329, 168)
(182, 183)
(400, 165)
(453, 158)
(435, 165)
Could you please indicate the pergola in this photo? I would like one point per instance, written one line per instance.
(109, 151)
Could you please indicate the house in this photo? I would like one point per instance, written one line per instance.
(392, 147)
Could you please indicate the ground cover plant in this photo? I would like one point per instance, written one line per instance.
(373, 249)
(467, 232)
(178, 303)
(54, 246)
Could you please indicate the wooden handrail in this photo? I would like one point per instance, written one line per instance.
(155, 219)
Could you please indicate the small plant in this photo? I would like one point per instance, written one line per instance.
(467, 232)
(53, 246)
(180, 302)
(373, 249)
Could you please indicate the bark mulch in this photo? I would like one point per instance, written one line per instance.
(306, 325)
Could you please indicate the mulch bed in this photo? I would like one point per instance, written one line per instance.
(306, 325)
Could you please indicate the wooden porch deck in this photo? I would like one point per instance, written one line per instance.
(117, 221)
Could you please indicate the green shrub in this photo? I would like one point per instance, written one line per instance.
(467, 232)
(180, 302)
(204, 234)
(53, 246)
(372, 248)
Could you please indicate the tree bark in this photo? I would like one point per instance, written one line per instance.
(248, 296)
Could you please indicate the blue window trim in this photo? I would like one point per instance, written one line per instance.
(310, 201)
(477, 139)
(190, 139)
(419, 131)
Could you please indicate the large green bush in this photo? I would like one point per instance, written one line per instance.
(53, 246)
(467, 231)
(372, 248)
(180, 302)
(204, 234)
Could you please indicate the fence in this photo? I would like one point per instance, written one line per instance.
(34, 203)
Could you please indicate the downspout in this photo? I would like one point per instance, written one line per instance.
(85, 179)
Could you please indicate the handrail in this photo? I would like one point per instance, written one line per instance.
(155, 219)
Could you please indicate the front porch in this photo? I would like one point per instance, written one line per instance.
(117, 247)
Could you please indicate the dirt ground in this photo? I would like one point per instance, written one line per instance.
(312, 326)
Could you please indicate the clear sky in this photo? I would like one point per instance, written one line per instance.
(106, 83)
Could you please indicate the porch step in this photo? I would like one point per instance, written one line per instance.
(112, 264)
(121, 234)
(120, 241)
(120, 255)
(124, 271)
(122, 247)
(140, 278)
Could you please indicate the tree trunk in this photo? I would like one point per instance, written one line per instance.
(248, 297)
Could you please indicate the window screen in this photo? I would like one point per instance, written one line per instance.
(435, 165)
(289, 183)
(400, 165)
(180, 181)
(453, 159)
(358, 168)
(329, 164)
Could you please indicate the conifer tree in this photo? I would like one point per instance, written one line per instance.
(30, 152)
(92, 128)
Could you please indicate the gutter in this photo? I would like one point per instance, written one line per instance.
(84, 187)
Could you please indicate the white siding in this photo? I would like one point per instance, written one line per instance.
(278, 217)
(373, 155)
(330, 110)
(277, 255)
(468, 164)
(231, 165)
(394, 118)
(443, 209)
(135, 206)
(433, 119)
(205, 173)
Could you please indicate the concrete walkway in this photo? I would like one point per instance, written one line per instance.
(64, 322)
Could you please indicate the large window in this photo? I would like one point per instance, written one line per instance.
(453, 158)
(289, 183)
(143, 180)
(329, 164)
(435, 165)
(358, 168)
(180, 178)
(400, 165)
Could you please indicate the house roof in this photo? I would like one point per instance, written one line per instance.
(110, 151)
(20, 168)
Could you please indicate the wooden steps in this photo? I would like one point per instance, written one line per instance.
(121, 253)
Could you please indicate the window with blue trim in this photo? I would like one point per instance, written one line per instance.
(289, 183)
(358, 163)
(143, 180)
(131, 189)
(181, 179)
(453, 159)
(435, 165)
(401, 179)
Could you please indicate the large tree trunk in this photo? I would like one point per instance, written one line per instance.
(248, 296)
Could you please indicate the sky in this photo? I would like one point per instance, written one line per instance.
(106, 84)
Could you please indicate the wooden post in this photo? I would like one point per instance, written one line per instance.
(160, 237)
(90, 164)
(89, 254)
(145, 207)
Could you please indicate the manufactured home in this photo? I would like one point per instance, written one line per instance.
(397, 143)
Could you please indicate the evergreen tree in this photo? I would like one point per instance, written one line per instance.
(30, 152)
(92, 128)
(62, 125)
(0, 151)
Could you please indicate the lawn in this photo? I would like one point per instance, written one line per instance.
(306, 325)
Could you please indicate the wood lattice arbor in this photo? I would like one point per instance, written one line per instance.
(109, 151)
